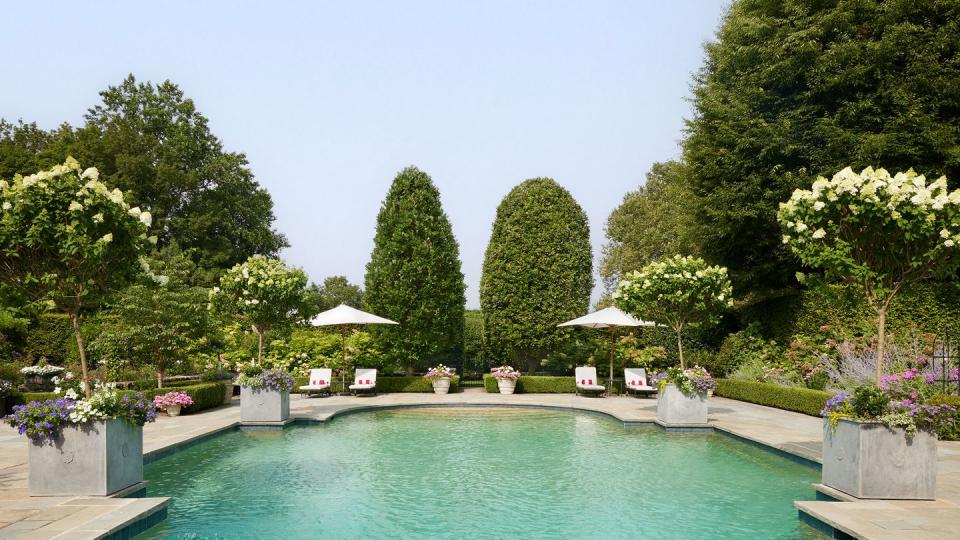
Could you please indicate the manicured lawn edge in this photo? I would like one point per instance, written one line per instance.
(801, 400)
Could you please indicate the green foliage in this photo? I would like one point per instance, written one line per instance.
(157, 322)
(49, 336)
(386, 385)
(680, 292)
(308, 348)
(336, 290)
(264, 294)
(151, 142)
(414, 276)
(793, 89)
(537, 272)
(745, 347)
(205, 395)
(538, 384)
(870, 402)
(474, 346)
(652, 223)
(802, 400)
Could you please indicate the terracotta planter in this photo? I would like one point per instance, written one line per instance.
(173, 410)
(676, 408)
(97, 458)
(441, 385)
(872, 461)
(506, 386)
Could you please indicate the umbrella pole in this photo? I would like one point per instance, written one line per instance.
(613, 348)
(343, 361)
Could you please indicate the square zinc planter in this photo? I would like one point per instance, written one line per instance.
(673, 407)
(263, 405)
(97, 458)
(872, 461)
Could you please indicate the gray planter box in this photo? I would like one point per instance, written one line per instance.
(675, 408)
(263, 406)
(97, 458)
(872, 461)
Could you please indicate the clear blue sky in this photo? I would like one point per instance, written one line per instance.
(330, 99)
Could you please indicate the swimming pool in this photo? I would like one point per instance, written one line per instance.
(478, 473)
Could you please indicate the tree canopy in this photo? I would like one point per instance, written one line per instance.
(151, 142)
(337, 290)
(793, 89)
(651, 223)
(414, 275)
(537, 271)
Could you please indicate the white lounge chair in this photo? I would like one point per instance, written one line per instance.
(587, 381)
(320, 380)
(364, 381)
(636, 379)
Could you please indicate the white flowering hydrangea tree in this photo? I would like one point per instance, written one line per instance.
(265, 294)
(681, 292)
(875, 230)
(65, 236)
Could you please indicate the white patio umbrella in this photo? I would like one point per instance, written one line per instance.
(343, 316)
(611, 318)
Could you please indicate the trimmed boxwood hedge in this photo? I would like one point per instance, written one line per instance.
(538, 384)
(412, 383)
(802, 400)
(205, 395)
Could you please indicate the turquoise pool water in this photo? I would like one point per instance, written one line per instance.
(478, 473)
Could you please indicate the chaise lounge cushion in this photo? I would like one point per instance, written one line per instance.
(362, 386)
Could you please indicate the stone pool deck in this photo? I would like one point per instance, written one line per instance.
(799, 435)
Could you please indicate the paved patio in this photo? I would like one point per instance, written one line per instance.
(82, 517)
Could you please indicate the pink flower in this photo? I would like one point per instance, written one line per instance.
(914, 394)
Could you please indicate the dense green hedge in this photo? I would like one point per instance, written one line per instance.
(802, 400)
(538, 384)
(205, 395)
(413, 383)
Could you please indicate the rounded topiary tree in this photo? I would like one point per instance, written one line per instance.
(877, 231)
(263, 293)
(414, 275)
(64, 237)
(537, 271)
(681, 292)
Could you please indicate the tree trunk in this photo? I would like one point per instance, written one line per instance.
(159, 377)
(259, 346)
(881, 338)
(680, 347)
(75, 320)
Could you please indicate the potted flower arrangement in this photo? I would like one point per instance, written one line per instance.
(440, 377)
(871, 435)
(90, 446)
(6, 390)
(506, 378)
(39, 378)
(682, 395)
(172, 402)
(264, 395)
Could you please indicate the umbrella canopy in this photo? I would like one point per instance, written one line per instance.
(611, 318)
(607, 318)
(344, 314)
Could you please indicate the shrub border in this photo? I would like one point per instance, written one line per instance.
(801, 400)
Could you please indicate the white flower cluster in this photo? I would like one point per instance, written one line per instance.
(873, 191)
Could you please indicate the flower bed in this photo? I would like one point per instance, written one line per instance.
(44, 421)
(205, 396)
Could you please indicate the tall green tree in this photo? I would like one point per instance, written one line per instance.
(157, 321)
(152, 142)
(653, 222)
(793, 89)
(537, 272)
(414, 275)
(337, 290)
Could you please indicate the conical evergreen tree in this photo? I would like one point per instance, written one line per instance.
(537, 272)
(414, 276)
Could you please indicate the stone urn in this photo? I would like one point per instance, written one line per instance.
(98, 458)
(441, 385)
(227, 391)
(39, 383)
(871, 460)
(173, 410)
(507, 386)
(676, 408)
(264, 405)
